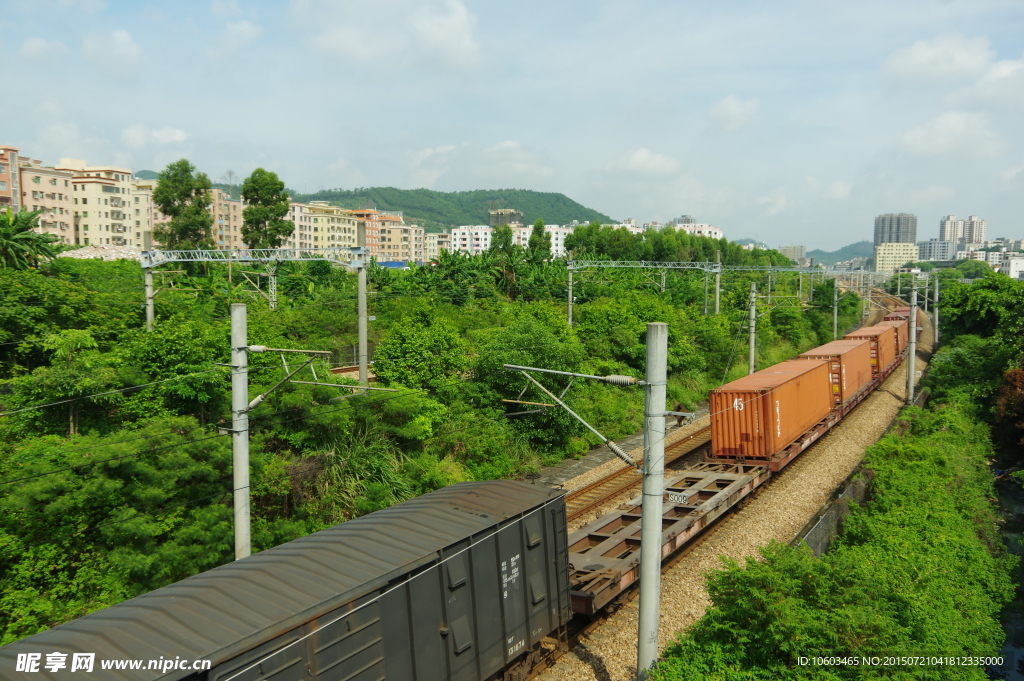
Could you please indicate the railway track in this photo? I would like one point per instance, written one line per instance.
(581, 501)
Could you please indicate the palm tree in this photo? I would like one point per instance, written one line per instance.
(20, 247)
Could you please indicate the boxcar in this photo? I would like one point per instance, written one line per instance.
(883, 345)
(902, 334)
(459, 584)
(760, 415)
(849, 366)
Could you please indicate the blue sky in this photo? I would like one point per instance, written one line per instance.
(791, 122)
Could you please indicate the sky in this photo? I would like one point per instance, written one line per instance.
(788, 122)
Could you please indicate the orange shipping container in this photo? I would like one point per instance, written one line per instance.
(883, 345)
(760, 415)
(902, 327)
(849, 366)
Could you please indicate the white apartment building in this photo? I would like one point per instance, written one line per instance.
(302, 218)
(472, 239)
(100, 201)
(889, 257)
(700, 229)
(936, 249)
(1013, 266)
(971, 230)
(141, 209)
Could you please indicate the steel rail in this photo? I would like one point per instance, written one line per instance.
(581, 501)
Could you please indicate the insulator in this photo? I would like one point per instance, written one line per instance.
(620, 380)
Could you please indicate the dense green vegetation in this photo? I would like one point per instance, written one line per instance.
(438, 210)
(116, 479)
(921, 568)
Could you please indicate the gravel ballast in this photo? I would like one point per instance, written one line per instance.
(778, 513)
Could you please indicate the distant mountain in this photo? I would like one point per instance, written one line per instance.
(440, 210)
(147, 175)
(861, 249)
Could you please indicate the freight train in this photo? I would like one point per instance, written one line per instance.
(475, 581)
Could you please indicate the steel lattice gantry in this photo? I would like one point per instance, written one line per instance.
(354, 257)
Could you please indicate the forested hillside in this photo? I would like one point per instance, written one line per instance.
(861, 249)
(441, 210)
(117, 480)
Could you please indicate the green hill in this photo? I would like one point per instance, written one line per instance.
(147, 175)
(439, 210)
(861, 249)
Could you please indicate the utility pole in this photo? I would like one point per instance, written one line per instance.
(926, 287)
(912, 355)
(653, 491)
(705, 293)
(835, 309)
(935, 314)
(752, 358)
(149, 299)
(718, 280)
(663, 273)
(570, 294)
(364, 353)
(240, 427)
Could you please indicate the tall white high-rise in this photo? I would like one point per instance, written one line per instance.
(971, 230)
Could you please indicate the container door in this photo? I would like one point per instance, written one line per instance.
(513, 596)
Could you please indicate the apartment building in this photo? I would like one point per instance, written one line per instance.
(141, 210)
(891, 257)
(227, 220)
(302, 218)
(893, 228)
(402, 243)
(48, 191)
(473, 239)
(335, 227)
(101, 197)
(698, 229)
(793, 252)
(936, 249)
(10, 192)
(369, 230)
(435, 244)
(971, 230)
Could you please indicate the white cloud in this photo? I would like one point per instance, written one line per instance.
(448, 32)
(643, 161)
(113, 51)
(946, 57)
(1002, 84)
(418, 157)
(225, 8)
(774, 202)
(404, 30)
(839, 190)
(733, 113)
(931, 194)
(960, 133)
(236, 35)
(1013, 172)
(38, 48)
(139, 136)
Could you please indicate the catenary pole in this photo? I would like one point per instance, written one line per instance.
(364, 359)
(752, 357)
(653, 490)
(240, 427)
(705, 292)
(912, 355)
(718, 280)
(149, 299)
(935, 313)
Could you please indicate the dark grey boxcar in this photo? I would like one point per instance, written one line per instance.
(458, 584)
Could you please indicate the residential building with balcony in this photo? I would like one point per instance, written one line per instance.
(474, 239)
(227, 220)
(48, 191)
(369, 230)
(891, 257)
(893, 228)
(333, 227)
(302, 218)
(402, 243)
(101, 201)
(10, 180)
(969, 231)
(435, 244)
(793, 252)
(936, 249)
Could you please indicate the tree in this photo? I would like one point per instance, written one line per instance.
(540, 242)
(973, 269)
(20, 247)
(422, 351)
(263, 223)
(184, 196)
(501, 239)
